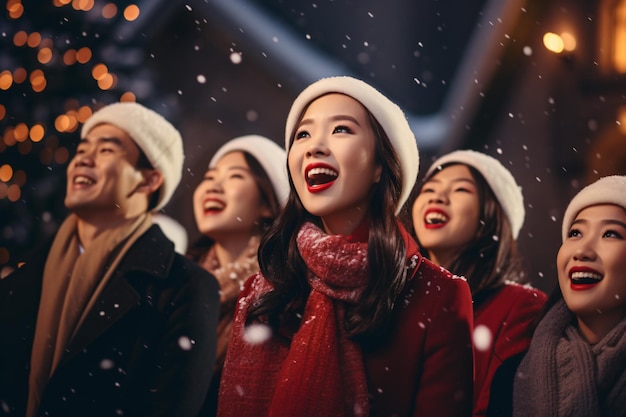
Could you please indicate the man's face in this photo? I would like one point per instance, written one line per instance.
(103, 178)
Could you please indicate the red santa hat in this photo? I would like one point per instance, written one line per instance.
(606, 190)
(387, 113)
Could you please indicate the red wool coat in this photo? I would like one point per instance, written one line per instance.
(424, 368)
(507, 313)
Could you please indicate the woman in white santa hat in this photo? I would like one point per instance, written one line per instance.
(242, 192)
(467, 216)
(346, 317)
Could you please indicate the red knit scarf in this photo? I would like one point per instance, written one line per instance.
(321, 373)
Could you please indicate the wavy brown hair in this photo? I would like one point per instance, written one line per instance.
(282, 265)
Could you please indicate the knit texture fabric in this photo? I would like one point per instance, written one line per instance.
(563, 375)
(157, 138)
(321, 372)
(606, 190)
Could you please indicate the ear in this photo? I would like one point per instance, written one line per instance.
(265, 213)
(378, 173)
(152, 181)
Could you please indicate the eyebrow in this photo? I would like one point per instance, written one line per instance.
(456, 180)
(603, 222)
(231, 168)
(338, 117)
(107, 139)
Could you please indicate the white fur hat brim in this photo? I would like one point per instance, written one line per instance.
(500, 180)
(606, 190)
(387, 113)
(157, 138)
(271, 157)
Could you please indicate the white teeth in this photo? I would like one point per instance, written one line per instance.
(83, 180)
(586, 275)
(434, 217)
(319, 171)
(213, 205)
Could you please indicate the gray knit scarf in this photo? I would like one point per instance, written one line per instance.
(563, 375)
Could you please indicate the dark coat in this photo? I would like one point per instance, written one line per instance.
(147, 347)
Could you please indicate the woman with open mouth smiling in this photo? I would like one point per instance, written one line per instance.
(346, 318)
(240, 195)
(467, 216)
(576, 363)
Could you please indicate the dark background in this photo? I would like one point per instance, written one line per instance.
(469, 74)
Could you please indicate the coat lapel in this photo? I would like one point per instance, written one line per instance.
(148, 261)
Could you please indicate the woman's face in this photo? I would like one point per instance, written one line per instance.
(446, 213)
(228, 202)
(592, 263)
(332, 162)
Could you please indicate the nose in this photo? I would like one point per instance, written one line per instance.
(317, 147)
(584, 251)
(84, 158)
(438, 196)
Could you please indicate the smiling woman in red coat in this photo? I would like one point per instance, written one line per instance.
(346, 318)
(467, 216)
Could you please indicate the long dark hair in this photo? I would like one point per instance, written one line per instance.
(492, 256)
(268, 197)
(282, 265)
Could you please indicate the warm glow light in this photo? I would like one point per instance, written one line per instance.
(9, 137)
(38, 80)
(19, 75)
(6, 80)
(20, 38)
(109, 11)
(34, 39)
(69, 57)
(619, 46)
(131, 12)
(62, 123)
(106, 82)
(83, 55)
(99, 71)
(553, 42)
(84, 5)
(64, 2)
(16, 10)
(37, 132)
(44, 55)
(83, 114)
(6, 172)
(21, 132)
(3, 111)
(13, 193)
(569, 41)
(3, 190)
(128, 97)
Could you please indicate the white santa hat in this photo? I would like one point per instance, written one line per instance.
(606, 190)
(157, 138)
(271, 157)
(173, 230)
(499, 179)
(387, 113)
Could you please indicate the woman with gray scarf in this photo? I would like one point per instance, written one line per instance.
(576, 362)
